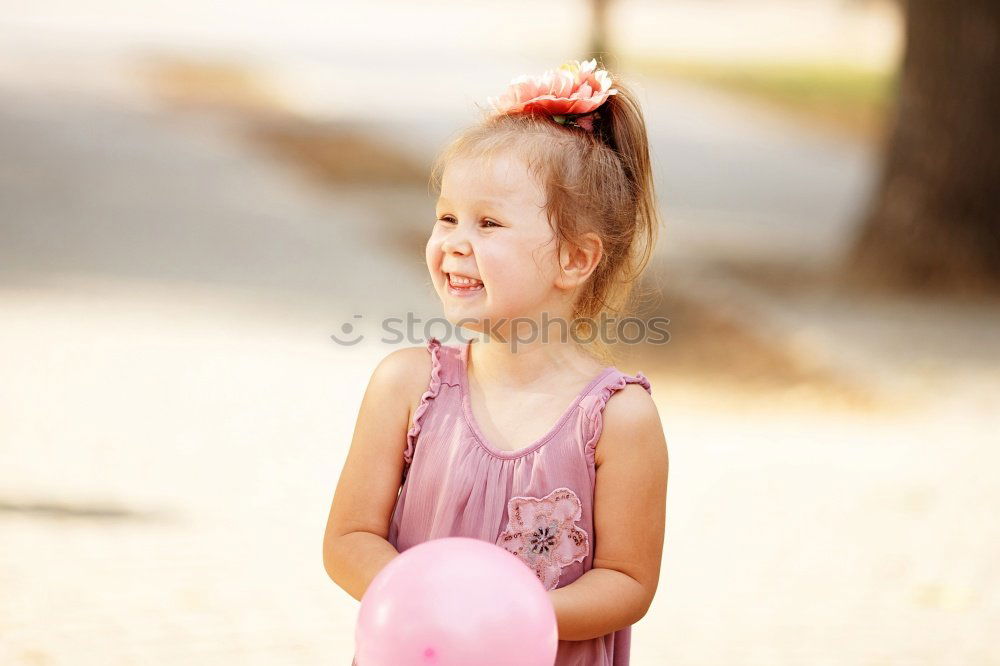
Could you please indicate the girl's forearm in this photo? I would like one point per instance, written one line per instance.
(599, 602)
(353, 560)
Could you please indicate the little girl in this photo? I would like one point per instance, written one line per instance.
(525, 436)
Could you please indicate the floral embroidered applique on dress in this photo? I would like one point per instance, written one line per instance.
(542, 533)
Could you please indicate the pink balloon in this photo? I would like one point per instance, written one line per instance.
(456, 601)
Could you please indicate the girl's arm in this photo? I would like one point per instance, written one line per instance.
(355, 548)
(629, 519)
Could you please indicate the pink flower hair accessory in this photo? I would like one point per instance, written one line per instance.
(571, 94)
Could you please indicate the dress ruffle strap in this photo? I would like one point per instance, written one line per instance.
(434, 347)
(596, 412)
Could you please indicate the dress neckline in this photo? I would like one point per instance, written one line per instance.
(470, 418)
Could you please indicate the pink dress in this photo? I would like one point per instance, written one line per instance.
(537, 501)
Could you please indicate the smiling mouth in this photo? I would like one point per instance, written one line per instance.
(463, 286)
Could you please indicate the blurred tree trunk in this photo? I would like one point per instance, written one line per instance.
(935, 219)
(599, 30)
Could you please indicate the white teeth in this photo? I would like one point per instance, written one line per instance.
(456, 279)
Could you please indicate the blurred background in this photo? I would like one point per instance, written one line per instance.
(195, 195)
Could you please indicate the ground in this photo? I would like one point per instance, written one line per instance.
(174, 415)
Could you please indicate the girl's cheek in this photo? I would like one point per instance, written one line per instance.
(432, 253)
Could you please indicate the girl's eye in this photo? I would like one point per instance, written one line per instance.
(449, 219)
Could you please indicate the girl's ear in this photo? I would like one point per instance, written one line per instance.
(579, 260)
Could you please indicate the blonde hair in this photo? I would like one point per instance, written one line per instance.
(598, 181)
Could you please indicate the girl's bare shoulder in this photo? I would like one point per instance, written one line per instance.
(406, 371)
(631, 421)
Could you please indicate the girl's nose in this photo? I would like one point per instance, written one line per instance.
(456, 242)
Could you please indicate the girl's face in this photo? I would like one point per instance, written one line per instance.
(491, 226)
